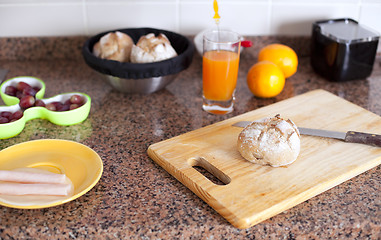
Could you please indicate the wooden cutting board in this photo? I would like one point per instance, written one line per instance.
(253, 193)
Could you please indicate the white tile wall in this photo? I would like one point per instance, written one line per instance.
(296, 17)
(29, 19)
(245, 17)
(249, 17)
(103, 16)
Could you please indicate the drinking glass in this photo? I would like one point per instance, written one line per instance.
(221, 49)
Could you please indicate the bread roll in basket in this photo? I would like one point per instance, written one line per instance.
(141, 77)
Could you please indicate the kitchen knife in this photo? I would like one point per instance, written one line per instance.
(3, 73)
(350, 136)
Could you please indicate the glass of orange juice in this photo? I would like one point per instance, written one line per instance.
(221, 49)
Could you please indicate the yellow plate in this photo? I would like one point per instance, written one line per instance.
(81, 164)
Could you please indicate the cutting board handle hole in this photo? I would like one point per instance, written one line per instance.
(209, 171)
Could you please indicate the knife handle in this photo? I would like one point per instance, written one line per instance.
(365, 138)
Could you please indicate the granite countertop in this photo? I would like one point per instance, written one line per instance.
(136, 198)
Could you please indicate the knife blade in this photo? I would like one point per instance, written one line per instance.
(350, 136)
(3, 73)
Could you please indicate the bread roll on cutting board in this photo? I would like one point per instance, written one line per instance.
(270, 141)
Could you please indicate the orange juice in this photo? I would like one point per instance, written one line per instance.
(219, 74)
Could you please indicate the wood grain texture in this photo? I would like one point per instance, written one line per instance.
(253, 193)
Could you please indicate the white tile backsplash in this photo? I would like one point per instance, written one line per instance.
(41, 20)
(107, 16)
(243, 17)
(296, 18)
(370, 14)
(317, 1)
(248, 17)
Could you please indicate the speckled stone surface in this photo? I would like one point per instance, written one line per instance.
(136, 198)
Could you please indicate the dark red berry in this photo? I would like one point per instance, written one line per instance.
(76, 99)
(19, 94)
(5, 114)
(62, 107)
(4, 120)
(16, 115)
(27, 102)
(39, 103)
(74, 106)
(51, 107)
(10, 90)
(29, 91)
(36, 89)
(22, 85)
(67, 102)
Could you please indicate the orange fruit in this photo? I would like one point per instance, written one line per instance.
(265, 79)
(282, 55)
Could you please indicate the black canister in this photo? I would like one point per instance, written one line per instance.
(343, 50)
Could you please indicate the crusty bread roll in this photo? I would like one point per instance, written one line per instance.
(270, 141)
(152, 49)
(114, 46)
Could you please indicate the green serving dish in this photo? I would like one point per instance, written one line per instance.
(64, 118)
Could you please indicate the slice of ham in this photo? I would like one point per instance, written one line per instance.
(31, 177)
(35, 189)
